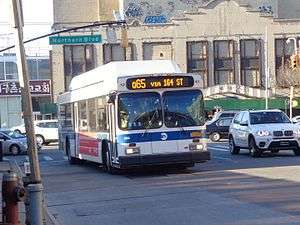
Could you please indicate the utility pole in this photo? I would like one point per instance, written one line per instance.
(266, 69)
(35, 188)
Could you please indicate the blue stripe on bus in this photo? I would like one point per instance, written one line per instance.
(155, 136)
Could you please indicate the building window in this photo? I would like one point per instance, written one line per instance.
(115, 52)
(2, 74)
(157, 50)
(283, 51)
(224, 62)
(250, 62)
(11, 72)
(77, 59)
(197, 59)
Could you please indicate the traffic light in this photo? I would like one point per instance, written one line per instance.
(294, 62)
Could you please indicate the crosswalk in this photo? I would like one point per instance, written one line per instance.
(43, 158)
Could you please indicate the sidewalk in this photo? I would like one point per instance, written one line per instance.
(6, 166)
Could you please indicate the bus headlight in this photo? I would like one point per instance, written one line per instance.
(196, 147)
(132, 150)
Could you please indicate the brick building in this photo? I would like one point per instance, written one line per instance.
(228, 42)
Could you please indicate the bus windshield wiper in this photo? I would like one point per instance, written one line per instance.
(150, 122)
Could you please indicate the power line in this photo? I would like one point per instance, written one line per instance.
(96, 24)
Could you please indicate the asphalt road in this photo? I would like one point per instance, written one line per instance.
(228, 190)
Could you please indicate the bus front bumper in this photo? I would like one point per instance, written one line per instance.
(163, 159)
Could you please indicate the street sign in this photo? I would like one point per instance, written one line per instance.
(69, 40)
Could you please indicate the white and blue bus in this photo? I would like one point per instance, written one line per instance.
(132, 114)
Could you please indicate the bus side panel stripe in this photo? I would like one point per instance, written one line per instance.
(156, 136)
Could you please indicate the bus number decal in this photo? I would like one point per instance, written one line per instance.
(139, 84)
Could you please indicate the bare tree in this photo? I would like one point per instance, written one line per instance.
(289, 78)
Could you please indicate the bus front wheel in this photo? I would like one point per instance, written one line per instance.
(72, 160)
(107, 160)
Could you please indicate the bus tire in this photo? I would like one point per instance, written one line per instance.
(72, 160)
(107, 160)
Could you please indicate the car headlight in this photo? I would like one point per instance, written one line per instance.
(297, 132)
(262, 133)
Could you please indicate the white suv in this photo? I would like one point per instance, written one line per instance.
(46, 131)
(263, 130)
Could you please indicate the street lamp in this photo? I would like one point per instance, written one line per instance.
(289, 40)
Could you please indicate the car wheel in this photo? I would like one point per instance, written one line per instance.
(297, 152)
(215, 136)
(254, 151)
(15, 150)
(40, 139)
(234, 150)
(18, 131)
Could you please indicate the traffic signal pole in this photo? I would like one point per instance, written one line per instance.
(36, 190)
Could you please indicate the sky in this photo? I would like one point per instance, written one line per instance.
(38, 19)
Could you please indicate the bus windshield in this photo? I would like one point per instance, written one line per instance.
(140, 111)
(183, 108)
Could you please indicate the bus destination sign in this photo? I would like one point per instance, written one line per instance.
(157, 82)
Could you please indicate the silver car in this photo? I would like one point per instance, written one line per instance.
(13, 142)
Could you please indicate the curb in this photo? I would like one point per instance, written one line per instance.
(49, 218)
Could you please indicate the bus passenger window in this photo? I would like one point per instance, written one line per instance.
(92, 115)
(83, 125)
(101, 114)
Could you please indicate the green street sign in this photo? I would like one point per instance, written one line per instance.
(69, 40)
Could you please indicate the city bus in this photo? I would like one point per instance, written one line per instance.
(134, 114)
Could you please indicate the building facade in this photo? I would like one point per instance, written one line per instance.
(227, 42)
(10, 96)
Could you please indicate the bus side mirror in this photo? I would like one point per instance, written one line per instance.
(111, 99)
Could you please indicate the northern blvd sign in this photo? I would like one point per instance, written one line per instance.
(37, 88)
(69, 40)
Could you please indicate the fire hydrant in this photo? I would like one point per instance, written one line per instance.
(12, 193)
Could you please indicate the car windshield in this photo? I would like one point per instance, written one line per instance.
(183, 108)
(268, 117)
(140, 111)
(13, 134)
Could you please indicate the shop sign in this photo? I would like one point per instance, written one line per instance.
(37, 87)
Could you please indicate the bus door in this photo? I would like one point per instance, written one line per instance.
(73, 140)
(112, 128)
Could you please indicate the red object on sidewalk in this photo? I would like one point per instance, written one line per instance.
(11, 194)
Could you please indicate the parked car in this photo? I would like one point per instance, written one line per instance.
(264, 130)
(223, 114)
(218, 128)
(296, 119)
(46, 131)
(12, 142)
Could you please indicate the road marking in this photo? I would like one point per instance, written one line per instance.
(220, 146)
(222, 158)
(48, 158)
(219, 149)
(65, 157)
